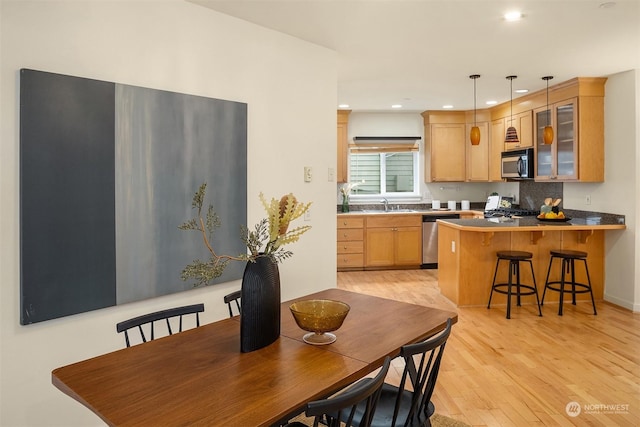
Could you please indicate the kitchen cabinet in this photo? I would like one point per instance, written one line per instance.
(445, 146)
(342, 167)
(350, 242)
(577, 150)
(497, 146)
(478, 155)
(558, 159)
(523, 122)
(393, 241)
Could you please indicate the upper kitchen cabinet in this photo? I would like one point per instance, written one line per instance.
(342, 169)
(445, 146)
(478, 156)
(557, 160)
(577, 150)
(495, 152)
(523, 122)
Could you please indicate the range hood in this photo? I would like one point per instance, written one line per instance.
(385, 143)
(357, 139)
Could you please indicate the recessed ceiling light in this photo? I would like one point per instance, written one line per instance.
(447, 107)
(513, 16)
(343, 106)
(396, 106)
(521, 90)
(492, 102)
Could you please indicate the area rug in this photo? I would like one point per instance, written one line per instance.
(437, 420)
(442, 421)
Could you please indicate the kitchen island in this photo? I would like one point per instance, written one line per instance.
(467, 254)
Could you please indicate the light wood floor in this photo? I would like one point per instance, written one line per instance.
(526, 370)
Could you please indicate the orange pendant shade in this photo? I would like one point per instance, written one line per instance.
(547, 135)
(475, 135)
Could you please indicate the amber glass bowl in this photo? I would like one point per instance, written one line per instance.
(320, 317)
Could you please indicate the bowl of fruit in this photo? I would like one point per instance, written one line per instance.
(551, 212)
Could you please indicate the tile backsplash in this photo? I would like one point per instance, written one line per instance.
(532, 194)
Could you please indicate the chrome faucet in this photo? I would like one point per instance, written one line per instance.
(385, 202)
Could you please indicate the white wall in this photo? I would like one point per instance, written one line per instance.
(620, 191)
(289, 86)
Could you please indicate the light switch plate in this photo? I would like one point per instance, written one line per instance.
(308, 174)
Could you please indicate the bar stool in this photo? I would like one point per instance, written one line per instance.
(568, 258)
(514, 258)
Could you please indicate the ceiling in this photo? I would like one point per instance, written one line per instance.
(420, 53)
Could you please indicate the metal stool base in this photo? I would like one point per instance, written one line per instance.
(568, 286)
(507, 288)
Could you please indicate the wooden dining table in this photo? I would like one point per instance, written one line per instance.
(200, 377)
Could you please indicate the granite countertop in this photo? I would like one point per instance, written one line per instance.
(578, 218)
(409, 212)
(532, 224)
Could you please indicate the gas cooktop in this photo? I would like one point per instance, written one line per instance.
(510, 212)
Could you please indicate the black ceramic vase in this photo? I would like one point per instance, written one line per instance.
(260, 319)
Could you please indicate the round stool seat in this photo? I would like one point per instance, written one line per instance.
(566, 253)
(514, 255)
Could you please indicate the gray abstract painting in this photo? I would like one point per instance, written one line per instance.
(117, 166)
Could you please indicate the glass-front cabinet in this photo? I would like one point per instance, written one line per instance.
(557, 160)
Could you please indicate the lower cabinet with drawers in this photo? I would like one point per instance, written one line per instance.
(379, 241)
(350, 242)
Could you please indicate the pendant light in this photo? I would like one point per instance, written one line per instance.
(547, 134)
(512, 135)
(475, 130)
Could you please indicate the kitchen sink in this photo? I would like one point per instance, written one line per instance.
(389, 211)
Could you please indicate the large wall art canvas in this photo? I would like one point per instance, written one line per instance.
(107, 174)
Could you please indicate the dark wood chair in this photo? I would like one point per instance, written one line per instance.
(399, 406)
(230, 299)
(146, 321)
(340, 410)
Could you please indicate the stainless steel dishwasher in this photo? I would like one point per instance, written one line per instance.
(430, 238)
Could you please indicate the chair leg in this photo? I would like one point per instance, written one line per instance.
(565, 267)
(546, 281)
(509, 282)
(593, 302)
(516, 267)
(495, 273)
(535, 287)
(572, 266)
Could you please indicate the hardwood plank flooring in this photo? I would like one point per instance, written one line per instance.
(528, 370)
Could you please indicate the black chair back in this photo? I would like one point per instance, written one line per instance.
(230, 299)
(340, 409)
(402, 406)
(150, 318)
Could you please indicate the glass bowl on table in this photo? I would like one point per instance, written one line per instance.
(320, 317)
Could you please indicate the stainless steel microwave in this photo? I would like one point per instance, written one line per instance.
(517, 164)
